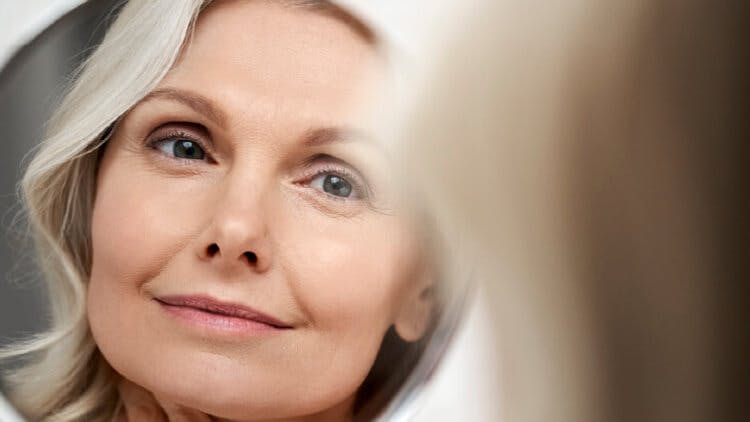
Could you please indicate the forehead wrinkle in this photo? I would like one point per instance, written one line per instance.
(193, 100)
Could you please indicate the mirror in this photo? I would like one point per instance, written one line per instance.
(224, 236)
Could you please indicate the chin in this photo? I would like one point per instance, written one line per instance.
(223, 388)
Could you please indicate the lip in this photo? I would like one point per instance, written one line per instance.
(207, 312)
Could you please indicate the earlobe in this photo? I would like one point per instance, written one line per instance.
(416, 313)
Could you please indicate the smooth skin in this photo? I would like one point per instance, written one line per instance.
(247, 175)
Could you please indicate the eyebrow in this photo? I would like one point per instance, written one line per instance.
(313, 138)
(330, 135)
(339, 135)
(197, 102)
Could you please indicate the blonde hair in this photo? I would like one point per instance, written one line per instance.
(64, 376)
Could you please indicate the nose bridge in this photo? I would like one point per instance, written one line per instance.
(239, 228)
(240, 204)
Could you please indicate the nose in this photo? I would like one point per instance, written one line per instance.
(238, 236)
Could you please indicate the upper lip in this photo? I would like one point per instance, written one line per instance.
(209, 304)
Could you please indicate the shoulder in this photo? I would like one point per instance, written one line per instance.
(7, 413)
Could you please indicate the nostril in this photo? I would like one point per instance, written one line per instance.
(251, 257)
(212, 249)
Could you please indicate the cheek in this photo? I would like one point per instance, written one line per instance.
(350, 282)
(353, 280)
(136, 227)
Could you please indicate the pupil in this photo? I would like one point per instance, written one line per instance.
(337, 186)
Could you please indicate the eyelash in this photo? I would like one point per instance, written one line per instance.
(180, 136)
(361, 188)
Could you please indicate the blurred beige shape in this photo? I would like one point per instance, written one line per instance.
(577, 155)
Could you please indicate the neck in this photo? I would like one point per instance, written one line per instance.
(137, 404)
(342, 412)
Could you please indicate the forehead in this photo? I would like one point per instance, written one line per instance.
(264, 54)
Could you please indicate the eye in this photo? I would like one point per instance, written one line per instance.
(182, 148)
(332, 184)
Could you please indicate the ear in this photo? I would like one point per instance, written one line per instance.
(415, 314)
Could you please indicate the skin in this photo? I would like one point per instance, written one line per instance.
(257, 82)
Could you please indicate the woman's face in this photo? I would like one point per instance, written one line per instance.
(248, 257)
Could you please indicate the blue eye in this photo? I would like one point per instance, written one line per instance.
(182, 148)
(333, 185)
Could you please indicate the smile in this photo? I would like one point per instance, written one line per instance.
(211, 314)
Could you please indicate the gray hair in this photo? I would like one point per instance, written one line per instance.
(66, 378)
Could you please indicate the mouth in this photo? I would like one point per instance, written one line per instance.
(223, 316)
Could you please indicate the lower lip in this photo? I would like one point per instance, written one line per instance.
(220, 324)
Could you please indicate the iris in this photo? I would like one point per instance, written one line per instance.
(337, 186)
(187, 149)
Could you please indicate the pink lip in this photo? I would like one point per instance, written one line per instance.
(211, 313)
